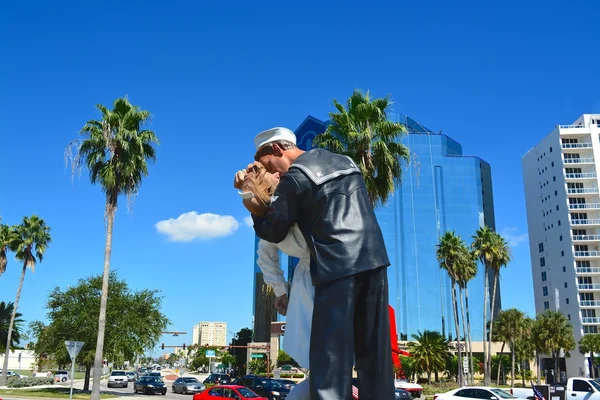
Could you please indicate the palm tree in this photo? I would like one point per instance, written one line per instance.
(452, 255)
(539, 343)
(361, 131)
(554, 332)
(500, 336)
(492, 251)
(524, 348)
(6, 310)
(590, 343)
(429, 352)
(7, 242)
(467, 272)
(115, 150)
(514, 328)
(32, 240)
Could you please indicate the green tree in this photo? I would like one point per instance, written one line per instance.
(116, 150)
(361, 131)
(589, 343)
(242, 338)
(200, 359)
(525, 349)
(514, 328)
(452, 254)
(8, 237)
(492, 250)
(429, 352)
(553, 332)
(31, 241)
(136, 322)
(258, 366)
(6, 311)
(500, 335)
(408, 367)
(284, 358)
(228, 359)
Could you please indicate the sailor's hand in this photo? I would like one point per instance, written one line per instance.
(238, 181)
(281, 304)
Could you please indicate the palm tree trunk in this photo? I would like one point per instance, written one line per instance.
(111, 208)
(469, 335)
(86, 381)
(464, 326)
(11, 326)
(539, 368)
(592, 372)
(523, 373)
(556, 354)
(492, 305)
(512, 367)
(500, 363)
(486, 288)
(457, 326)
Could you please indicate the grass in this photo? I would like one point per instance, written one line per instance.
(27, 372)
(59, 393)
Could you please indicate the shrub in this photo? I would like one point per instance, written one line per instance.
(437, 388)
(291, 376)
(28, 382)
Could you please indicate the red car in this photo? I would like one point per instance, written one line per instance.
(228, 392)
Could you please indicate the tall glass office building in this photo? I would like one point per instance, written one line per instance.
(441, 190)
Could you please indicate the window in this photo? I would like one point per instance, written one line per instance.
(564, 269)
(554, 179)
(541, 247)
(588, 313)
(552, 164)
(545, 290)
(581, 386)
(569, 317)
(567, 300)
(546, 305)
(590, 329)
(562, 253)
(542, 261)
(565, 285)
(556, 208)
(560, 238)
(556, 193)
(559, 222)
(543, 276)
(550, 149)
(468, 393)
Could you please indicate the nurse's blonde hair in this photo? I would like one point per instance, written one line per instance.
(261, 186)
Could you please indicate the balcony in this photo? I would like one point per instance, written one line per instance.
(586, 238)
(593, 253)
(582, 190)
(587, 270)
(572, 127)
(584, 145)
(588, 286)
(590, 320)
(589, 303)
(584, 206)
(585, 221)
(578, 160)
(585, 175)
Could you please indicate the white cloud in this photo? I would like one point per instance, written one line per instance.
(191, 225)
(248, 221)
(513, 236)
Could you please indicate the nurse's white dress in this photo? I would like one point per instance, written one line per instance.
(298, 323)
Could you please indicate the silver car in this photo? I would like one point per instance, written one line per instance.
(187, 385)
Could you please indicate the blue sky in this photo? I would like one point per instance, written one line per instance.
(495, 76)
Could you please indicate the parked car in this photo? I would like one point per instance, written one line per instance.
(118, 378)
(132, 376)
(218, 379)
(288, 383)
(61, 376)
(414, 389)
(12, 374)
(149, 385)
(228, 392)
(266, 387)
(398, 393)
(187, 385)
(155, 374)
(476, 392)
(576, 389)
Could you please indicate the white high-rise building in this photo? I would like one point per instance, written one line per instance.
(563, 215)
(210, 333)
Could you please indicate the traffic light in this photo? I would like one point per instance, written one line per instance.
(184, 346)
(163, 346)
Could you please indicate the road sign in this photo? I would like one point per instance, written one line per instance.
(257, 356)
(210, 353)
(73, 348)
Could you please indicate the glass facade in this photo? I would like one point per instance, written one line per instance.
(441, 190)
